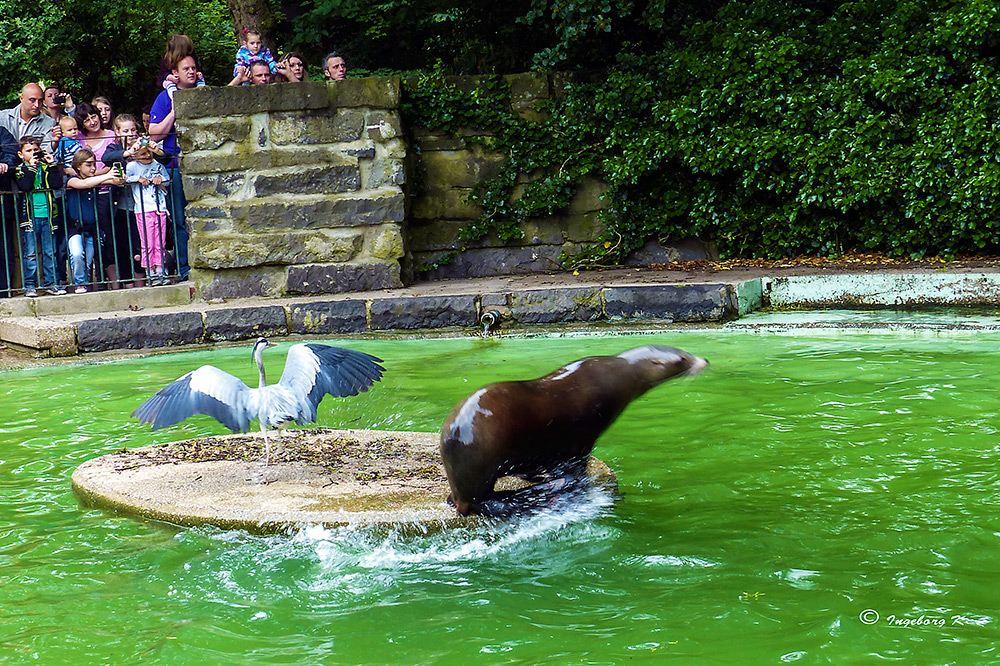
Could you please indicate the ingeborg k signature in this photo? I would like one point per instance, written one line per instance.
(871, 616)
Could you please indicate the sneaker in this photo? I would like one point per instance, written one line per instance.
(55, 291)
(30, 293)
(80, 290)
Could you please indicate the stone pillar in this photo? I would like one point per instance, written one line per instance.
(293, 188)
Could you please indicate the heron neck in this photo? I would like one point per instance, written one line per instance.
(260, 366)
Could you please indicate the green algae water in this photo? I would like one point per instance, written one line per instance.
(819, 497)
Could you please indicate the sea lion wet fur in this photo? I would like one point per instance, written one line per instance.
(547, 425)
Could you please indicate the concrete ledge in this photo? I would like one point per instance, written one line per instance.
(120, 331)
(883, 290)
(702, 302)
(317, 476)
(376, 303)
(98, 301)
(57, 338)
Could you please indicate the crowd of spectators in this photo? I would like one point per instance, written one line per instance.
(92, 199)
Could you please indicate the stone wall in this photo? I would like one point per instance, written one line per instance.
(302, 188)
(447, 169)
(293, 188)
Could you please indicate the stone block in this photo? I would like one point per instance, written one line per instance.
(585, 228)
(423, 312)
(308, 180)
(240, 282)
(445, 203)
(383, 172)
(218, 101)
(547, 306)
(693, 302)
(245, 322)
(425, 236)
(41, 333)
(333, 279)
(387, 243)
(526, 91)
(289, 247)
(377, 92)
(229, 158)
(300, 156)
(334, 126)
(687, 249)
(140, 331)
(489, 262)
(383, 125)
(336, 210)
(211, 133)
(587, 197)
(348, 316)
(428, 140)
(459, 168)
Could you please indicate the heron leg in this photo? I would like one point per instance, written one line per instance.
(267, 445)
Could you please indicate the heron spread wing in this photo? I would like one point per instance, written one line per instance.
(206, 390)
(313, 371)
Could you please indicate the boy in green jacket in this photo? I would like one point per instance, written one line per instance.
(37, 175)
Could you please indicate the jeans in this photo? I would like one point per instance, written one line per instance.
(177, 203)
(81, 256)
(34, 241)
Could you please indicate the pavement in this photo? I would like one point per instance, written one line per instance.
(150, 318)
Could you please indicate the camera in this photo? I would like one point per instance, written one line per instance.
(143, 141)
(60, 99)
(119, 169)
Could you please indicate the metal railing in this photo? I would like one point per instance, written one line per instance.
(90, 240)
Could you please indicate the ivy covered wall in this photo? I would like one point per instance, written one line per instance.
(770, 128)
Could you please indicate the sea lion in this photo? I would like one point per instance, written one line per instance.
(545, 426)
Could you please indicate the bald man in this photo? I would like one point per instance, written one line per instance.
(27, 119)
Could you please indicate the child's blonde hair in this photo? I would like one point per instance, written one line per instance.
(82, 156)
(123, 118)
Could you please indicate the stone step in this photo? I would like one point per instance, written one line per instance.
(119, 300)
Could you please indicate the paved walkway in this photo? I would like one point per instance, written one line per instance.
(158, 317)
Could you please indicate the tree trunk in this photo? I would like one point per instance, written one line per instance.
(256, 15)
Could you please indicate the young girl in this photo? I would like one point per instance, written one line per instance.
(114, 248)
(253, 49)
(105, 110)
(88, 219)
(148, 178)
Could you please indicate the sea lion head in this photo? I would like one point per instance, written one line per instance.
(659, 363)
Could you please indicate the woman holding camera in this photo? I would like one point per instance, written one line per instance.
(56, 104)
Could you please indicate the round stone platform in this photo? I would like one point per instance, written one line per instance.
(316, 476)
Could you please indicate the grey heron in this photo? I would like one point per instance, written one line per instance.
(311, 372)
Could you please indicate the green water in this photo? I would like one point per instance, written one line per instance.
(801, 482)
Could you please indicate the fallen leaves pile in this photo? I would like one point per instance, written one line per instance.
(363, 460)
(865, 261)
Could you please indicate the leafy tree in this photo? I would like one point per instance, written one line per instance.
(101, 47)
